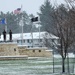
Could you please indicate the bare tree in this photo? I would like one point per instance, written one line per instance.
(65, 28)
(65, 31)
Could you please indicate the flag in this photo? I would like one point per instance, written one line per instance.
(3, 21)
(34, 19)
(17, 11)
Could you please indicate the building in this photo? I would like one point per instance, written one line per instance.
(35, 39)
(11, 50)
(21, 47)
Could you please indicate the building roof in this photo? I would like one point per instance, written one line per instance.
(29, 36)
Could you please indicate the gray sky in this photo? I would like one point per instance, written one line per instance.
(30, 6)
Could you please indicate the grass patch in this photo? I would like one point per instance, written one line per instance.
(40, 66)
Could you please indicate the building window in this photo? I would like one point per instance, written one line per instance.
(36, 44)
(17, 41)
(40, 40)
(31, 40)
(28, 46)
(40, 46)
(28, 40)
(24, 41)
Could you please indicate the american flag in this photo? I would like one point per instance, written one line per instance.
(17, 11)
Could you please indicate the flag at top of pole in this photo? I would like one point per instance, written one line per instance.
(17, 11)
(3, 21)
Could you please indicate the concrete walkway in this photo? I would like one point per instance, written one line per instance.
(13, 57)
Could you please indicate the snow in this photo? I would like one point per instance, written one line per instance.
(28, 36)
(71, 55)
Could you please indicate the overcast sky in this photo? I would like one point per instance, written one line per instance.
(30, 6)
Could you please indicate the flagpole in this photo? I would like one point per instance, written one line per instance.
(32, 33)
(5, 25)
(22, 29)
(6, 28)
(22, 25)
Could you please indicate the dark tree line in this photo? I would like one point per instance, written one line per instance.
(46, 17)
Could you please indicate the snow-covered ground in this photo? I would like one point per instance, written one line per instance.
(70, 55)
(35, 66)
